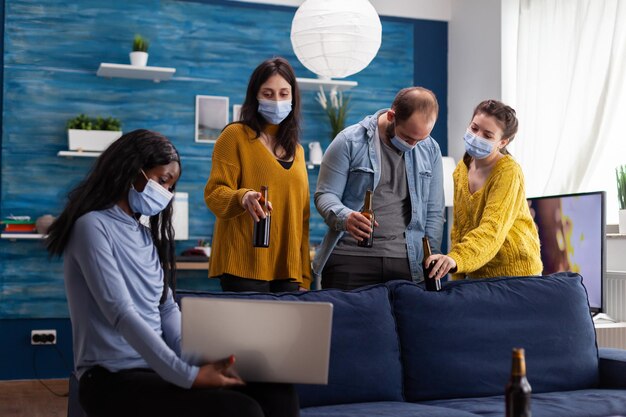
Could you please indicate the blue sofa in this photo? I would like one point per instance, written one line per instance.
(400, 351)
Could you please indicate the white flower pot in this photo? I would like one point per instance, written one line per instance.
(622, 222)
(138, 58)
(91, 140)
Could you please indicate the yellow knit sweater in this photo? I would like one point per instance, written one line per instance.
(493, 232)
(242, 163)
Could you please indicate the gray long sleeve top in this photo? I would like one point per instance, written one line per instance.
(113, 281)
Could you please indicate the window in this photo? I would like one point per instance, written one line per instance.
(564, 66)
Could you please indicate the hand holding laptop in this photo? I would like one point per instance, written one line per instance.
(218, 374)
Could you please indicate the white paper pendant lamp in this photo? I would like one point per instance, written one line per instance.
(336, 38)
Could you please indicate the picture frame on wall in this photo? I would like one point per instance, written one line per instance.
(236, 112)
(211, 117)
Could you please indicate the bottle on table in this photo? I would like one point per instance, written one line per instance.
(518, 389)
(368, 211)
(261, 233)
(431, 284)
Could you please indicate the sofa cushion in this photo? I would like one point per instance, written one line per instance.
(364, 353)
(383, 409)
(457, 342)
(583, 403)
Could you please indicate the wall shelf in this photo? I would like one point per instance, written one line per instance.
(16, 236)
(155, 74)
(81, 154)
(313, 84)
(192, 265)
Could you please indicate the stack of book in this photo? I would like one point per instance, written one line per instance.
(19, 224)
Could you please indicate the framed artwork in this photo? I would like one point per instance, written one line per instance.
(236, 112)
(211, 117)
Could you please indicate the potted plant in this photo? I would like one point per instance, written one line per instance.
(139, 55)
(92, 134)
(336, 108)
(621, 196)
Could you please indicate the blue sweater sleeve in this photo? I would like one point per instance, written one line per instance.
(171, 323)
(100, 269)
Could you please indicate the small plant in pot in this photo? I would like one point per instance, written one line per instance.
(139, 55)
(336, 108)
(85, 133)
(621, 196)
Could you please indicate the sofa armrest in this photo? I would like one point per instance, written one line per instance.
(612, 367)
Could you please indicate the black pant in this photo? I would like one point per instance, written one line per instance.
(234, 283)
(347, 272)
(142, 392)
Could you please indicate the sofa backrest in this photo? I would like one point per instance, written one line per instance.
(457, 342)
(364, 353)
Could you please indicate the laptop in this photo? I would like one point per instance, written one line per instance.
(273, 341)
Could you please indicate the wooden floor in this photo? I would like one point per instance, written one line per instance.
(31, 399)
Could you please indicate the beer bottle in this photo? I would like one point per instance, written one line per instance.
(518, 389)
(431, 284)
(261, 233)
(368, 211)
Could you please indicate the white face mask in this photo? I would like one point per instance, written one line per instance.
(274, 111)
(401, 145)
(477, 147)
(151, 201)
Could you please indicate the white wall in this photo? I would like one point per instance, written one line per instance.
(413, 9)
(474, 64)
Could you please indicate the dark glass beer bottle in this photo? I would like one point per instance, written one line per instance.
(368, 211)
(518, 389)
(431, 284)
(261, 234)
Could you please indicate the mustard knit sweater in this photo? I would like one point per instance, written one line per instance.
(242, 163)
(493, 232)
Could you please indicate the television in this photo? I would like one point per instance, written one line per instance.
(571, 232)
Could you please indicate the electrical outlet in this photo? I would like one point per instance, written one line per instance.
(43, 337)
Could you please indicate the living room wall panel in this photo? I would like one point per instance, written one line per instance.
(51, 53)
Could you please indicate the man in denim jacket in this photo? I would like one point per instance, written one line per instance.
(391, 153)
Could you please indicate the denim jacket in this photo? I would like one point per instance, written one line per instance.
(351, 165)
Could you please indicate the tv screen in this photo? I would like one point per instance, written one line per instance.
(571, 231)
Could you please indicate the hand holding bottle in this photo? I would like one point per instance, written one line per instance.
(443, 264)
(359, 226)
(253, 203)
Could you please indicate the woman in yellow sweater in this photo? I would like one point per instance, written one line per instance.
(493, 232)
(262, 149)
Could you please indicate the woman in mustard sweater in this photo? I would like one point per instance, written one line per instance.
(493, 232)
(262, 149)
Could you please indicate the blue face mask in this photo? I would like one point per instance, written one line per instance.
(274, 111)
(152, 200)
(477, 147)
(401, 145)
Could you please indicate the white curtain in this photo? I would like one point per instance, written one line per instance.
(567, 81)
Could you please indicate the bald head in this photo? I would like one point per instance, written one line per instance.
(415, 99)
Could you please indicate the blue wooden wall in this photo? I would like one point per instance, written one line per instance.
(51, 52)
